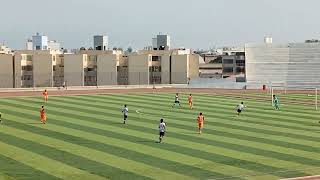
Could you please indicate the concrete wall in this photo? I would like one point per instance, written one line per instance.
(73, 69)
(138, 69)
(165, 69)
(17, 71)
(42, 70)
(6, 71)
(179, 69)
(304, 65)
(266, 63)
(193, 66)
(107, 69)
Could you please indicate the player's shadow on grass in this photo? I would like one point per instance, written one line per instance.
(35, 123)
(196, 132)
(147, 141)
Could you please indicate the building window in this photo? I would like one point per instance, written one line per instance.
(228, 61)
(240, 69)
(156, 58)
(91, 69)
(29, 57)
(228, 70)
(240, 63)
(92, 58)
(26, 68)
(155, 69)
(26, 77)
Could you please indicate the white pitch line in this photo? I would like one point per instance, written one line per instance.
(302, 178)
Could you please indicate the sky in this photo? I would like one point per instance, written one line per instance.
(198, 24)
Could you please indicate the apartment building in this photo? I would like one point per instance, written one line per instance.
(162, 66)
(35, 68)
(93, 68)
(6, 71)
(233, 65)
(45, 68)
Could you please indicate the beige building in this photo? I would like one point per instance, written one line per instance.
(93, 68)
(6, 71)
(45, 68)
(162, 67)
(35, 68)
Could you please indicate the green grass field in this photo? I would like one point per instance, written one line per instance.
(84, 138)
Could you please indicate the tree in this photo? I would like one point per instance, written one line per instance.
(82, 49)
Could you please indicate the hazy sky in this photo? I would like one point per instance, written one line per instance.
(191, 23)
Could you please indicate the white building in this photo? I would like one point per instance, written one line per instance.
(100, 42)
(293, 65)
(39, 42)
(53, 45)
(29, 44)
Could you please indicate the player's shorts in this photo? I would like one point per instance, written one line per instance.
(177, 102)
(239, 110)
(43, 117)
(200, 125)
(125, 117)
(161, 133)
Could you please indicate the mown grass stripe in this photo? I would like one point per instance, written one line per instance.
(12, 168)
(136, 167)
(219, 100)
(135, 144)
(189, 129)
(73, 160)
(215, 124)
(267, 131)
(263, 123)
(150, 115)
(275, 170)
(44, 164)
(95, 112)
(219, 104)
(222, 136)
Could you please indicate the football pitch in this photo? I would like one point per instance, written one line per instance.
(84, 138)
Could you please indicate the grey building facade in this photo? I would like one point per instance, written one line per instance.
(100, 42)
(292, 65)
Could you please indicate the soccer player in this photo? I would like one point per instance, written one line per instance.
(45, 95)
(176, 100)
(125, 112)
(200, 122)
(240, 108)
(43, 116)
(276, 102)
(0, 117)
(190, 101)
(162, 130)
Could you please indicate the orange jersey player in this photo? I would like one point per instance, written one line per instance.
(45, 95)
(200, 122)
(43, 116)
(190, 101)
